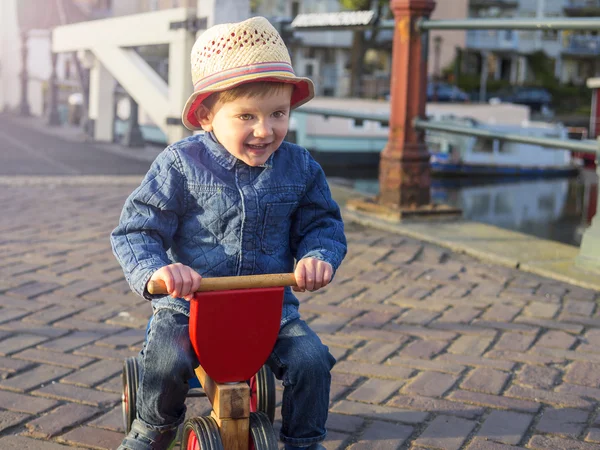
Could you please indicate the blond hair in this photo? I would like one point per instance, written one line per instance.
(247, 90)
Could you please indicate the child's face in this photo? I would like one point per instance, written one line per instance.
(250, 128)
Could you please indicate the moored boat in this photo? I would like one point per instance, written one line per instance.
(453, 154)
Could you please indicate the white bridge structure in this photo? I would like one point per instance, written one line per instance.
(107, 47)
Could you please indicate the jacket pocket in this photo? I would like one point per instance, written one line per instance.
(276, 228)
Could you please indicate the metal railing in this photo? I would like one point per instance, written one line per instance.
(563, 144)
(424, 124)
(584, 23)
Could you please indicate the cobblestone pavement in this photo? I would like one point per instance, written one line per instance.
(435, 350)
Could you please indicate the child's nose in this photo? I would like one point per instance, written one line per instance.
(263, 129)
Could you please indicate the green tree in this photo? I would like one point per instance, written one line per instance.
(360, 42)
(254, 5)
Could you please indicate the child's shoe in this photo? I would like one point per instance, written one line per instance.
(142, 438)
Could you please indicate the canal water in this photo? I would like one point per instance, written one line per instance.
(558, 209)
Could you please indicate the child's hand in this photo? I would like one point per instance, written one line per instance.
(312, 274)
(181, 281)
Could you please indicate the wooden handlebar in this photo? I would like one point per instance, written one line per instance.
(225, 283)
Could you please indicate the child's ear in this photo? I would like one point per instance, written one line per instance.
(204, 117)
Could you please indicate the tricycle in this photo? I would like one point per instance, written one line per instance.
(232, 371)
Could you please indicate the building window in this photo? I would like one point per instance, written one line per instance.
(328, 55)
(295, 9)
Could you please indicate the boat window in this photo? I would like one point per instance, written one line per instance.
(437, 144)
(483, 145)
(358, 124)
(505, 147)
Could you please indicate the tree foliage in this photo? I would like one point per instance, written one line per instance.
(542, 67)
(356, 5)
(254, 5)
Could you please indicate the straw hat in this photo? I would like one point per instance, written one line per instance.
(230, 54)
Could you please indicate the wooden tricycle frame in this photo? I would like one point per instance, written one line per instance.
(230, 401)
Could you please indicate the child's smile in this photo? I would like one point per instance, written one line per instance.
(257, 148)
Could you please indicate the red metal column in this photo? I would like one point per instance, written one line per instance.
(404, 175)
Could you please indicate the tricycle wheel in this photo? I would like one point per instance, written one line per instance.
(262, 393)
(201, 433)
(129, 394)
(262, 436)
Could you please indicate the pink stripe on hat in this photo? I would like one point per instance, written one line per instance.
(230, 74)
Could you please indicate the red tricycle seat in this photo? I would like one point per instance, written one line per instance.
(233, 332)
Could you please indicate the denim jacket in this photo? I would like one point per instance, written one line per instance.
(200, 206)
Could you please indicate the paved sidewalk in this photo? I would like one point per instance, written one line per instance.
(435, 349)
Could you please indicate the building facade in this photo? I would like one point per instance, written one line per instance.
(445, 45)
(25, 48)
(508, 53)
(580, 51)
(323, 56)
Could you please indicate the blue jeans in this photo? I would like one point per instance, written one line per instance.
(299, 359)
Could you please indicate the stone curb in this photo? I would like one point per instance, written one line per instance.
(588, 280)
(76, 180)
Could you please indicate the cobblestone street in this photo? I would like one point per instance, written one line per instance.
(435, 350)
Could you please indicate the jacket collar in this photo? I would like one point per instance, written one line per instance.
(220, 153)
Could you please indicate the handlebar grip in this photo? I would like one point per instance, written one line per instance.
(225, 283)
